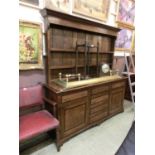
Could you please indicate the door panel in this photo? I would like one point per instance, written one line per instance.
(73, 116)
(116, 102)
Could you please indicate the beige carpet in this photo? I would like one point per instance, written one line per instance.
(103, 139)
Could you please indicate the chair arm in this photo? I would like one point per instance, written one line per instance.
(49, 101)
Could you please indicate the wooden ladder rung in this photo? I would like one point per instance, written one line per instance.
(126, 73)
(133, 84)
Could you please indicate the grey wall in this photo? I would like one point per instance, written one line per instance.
(31, 77)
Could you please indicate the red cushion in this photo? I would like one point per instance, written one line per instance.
(35, 123)
(30, 96)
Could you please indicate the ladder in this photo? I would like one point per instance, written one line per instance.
(128, 60)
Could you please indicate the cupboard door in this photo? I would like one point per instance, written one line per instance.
(116, 101)
(73, 116)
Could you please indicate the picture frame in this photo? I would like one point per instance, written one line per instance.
(95, 9)
(30, 46)
(133, 43)
(125, 39)
(30, 3)
(60, 5)
(126, 13)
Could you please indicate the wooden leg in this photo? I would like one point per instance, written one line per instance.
(57, 140)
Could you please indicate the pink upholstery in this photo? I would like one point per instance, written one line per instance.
(35, 123)
(30, 96)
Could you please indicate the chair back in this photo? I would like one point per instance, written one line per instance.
(30, 96)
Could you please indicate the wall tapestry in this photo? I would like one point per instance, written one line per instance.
(30, 46)
(97, 9)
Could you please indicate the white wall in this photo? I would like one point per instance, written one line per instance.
(30, 13)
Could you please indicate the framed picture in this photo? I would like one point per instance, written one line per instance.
(124, 40)
(30, 46)
(126, 12)
(97, 9)
(31, 2)
(62, 5)
(133, 43)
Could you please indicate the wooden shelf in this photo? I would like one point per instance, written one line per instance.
(107, 52)
(73, 51)
(62, 67)
(72, 66)
(103, 52)
(62, 50)
(68, 66)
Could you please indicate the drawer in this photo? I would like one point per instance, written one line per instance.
(100, 89)
(75, 102)
(102, 98)
(73, 96)
(99, 116)
(99, 108)
(98, 104)
(118, 84)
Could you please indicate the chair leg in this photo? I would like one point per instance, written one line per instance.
(58, 145)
